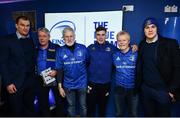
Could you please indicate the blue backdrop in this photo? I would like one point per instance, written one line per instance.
(132, 21)
(170, 27)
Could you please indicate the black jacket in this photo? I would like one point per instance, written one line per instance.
(17, 61)
(168, 63)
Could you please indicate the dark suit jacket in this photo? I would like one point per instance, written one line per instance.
(17, 61)
(168, 63)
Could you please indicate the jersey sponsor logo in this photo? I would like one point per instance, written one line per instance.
(108, 49)
(72, 62)
(125, 66)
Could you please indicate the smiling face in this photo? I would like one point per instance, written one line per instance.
(150, 31)
(23, 27)
(43, 38)
(101, 37)
(69, 38)
(123, 42)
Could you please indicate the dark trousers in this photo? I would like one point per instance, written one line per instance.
(125, 98)
(98, 95)
(43, 98)
(155, 102)
(21, 103)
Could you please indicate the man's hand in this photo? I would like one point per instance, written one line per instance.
(172, 97)
(52, 73)
(61, 90)
(11, 88)
(134, 48)
(62, 93)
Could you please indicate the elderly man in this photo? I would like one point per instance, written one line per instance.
(72, 62)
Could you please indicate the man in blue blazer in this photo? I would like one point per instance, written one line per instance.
(17, 66)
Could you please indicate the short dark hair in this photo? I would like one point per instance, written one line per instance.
(100, 28)
(21, 17)
(149, 21)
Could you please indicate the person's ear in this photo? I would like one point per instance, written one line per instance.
(16, 26)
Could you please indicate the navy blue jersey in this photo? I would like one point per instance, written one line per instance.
(125, 68)
(100, 62)
(73, 64)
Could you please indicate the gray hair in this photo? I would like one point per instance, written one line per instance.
(67, 29)
(45, 30)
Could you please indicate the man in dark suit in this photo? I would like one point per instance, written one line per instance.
(158, 70)
(17, 66)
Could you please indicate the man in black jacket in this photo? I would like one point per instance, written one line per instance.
(17, 66)
(158, 70)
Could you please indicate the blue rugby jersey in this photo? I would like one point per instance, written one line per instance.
(74, 65)
(125, 68)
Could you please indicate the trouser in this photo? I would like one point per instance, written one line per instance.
(44, 106)
(155, 102)
(71, 95)
(125, 98)
(97, 95)
(21, 103)
(43, 98)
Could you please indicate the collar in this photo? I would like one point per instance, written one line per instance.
(20, 36)
(49, 46)
(71, 48)
(106, 42)
(154, 40)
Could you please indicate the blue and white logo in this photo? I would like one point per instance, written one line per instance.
(56, 31)
(132, 58)
(118, 59)
(65, 56)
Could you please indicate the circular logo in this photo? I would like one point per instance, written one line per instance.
(56, 31)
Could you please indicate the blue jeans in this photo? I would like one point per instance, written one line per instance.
(125, 97)
(71, 95)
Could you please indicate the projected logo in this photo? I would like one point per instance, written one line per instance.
(84, 24)
(56, 31)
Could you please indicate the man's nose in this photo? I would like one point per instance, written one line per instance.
(150, 29)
